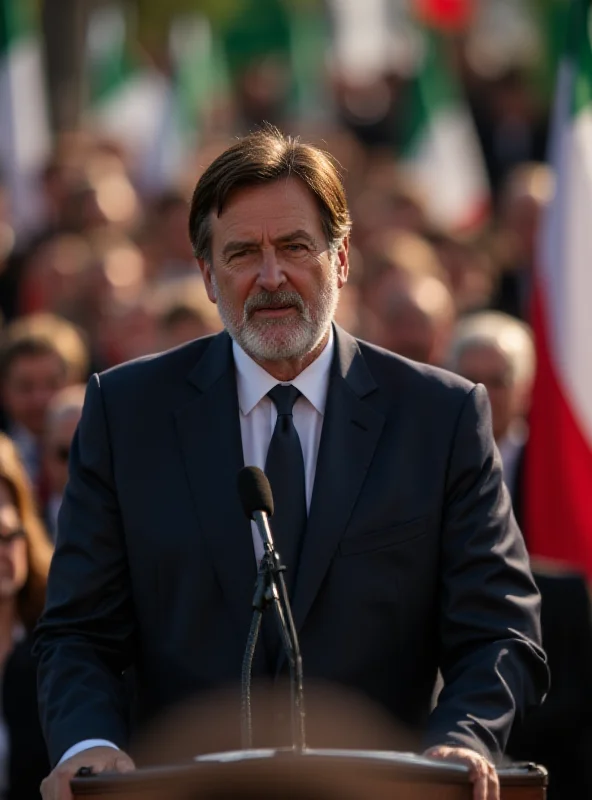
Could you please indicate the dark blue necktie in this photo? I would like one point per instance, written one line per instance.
(285, 469)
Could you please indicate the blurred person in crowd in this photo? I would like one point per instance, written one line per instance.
(168, 220)
(32, 371)
(25, 553)
(118, 319)
(386, 203)
(396, 255)
(407, 503)
(54, 275)
(511, 125)
(82, 211)
(368, 106)
(61, 173)
(469, 267)
(63, 415)
(183, 312)
(497, 350)
(413, 317)
(525, 194)
(64, 336)
(127, 329)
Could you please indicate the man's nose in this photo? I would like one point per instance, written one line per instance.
(271, 275)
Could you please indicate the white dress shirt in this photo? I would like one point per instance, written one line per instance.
(258, 415)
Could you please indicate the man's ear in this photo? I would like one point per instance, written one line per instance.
(343, 262)
(206, 270)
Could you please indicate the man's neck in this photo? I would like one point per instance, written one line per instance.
(288, 369)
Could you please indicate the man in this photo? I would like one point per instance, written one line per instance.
(413, 316)
(63, 416)
(32, 370)
(183, 312)
(497, 350)
(402, 552)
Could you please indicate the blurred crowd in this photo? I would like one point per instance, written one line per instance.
(109, 275)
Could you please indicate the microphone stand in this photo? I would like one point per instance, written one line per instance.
(270, 589)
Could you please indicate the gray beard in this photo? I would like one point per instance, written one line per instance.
(283, 338)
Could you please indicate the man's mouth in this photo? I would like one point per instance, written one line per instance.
(275, 310)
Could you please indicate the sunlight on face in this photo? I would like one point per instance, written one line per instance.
(274, 279)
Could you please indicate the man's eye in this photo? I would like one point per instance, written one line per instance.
(295, 248)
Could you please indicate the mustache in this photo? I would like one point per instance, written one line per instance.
(280, 299)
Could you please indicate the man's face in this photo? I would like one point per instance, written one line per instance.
(489, 366)
(57, 451)
(272, 276)
(29, 385)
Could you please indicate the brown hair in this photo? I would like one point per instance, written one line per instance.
(31, 598)
(26, 347)
(264, 157)
(65, 338)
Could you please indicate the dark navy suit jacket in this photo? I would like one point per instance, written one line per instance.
(412, 560)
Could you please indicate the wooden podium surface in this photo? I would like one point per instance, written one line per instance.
(315, 774)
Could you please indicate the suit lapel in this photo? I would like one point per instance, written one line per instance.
(210, 438)
(351, 430)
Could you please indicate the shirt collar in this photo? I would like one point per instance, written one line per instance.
(253, 382)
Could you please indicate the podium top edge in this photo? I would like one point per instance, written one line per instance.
(402, 765)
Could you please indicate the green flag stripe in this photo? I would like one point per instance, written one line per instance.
(108, 61)
(16, 20)
(431, 90)
(579, 53)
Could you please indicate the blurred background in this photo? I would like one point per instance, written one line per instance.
(437, 112)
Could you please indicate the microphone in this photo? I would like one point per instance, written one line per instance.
(257, 502)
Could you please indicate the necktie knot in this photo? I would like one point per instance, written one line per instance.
(283, 398)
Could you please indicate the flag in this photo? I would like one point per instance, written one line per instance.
(559, 455)
(201, 77)
(309, 100)
(441, 152)
(24, 127)
(449, 14)
(129, 100)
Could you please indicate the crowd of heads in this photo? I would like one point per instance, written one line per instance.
(112, 274)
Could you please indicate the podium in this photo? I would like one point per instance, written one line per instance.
(311, 775)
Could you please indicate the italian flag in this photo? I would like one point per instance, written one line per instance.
(128, 101)
(441, 151)
(24, 129)
(559, 457)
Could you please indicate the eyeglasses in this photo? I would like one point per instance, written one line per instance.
(12, 536)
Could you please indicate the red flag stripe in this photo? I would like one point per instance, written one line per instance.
(558, 522)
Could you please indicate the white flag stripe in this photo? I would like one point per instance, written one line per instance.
(24, 129)
(566, 257)
(448, 166)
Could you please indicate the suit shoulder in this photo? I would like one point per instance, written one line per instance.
(402, 373)
(151, 370)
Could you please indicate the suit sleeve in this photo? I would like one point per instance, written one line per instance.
(491, 660)
(84, 640)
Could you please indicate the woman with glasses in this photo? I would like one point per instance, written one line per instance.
(25, 553)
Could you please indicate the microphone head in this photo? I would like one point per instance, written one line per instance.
(254, 491)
